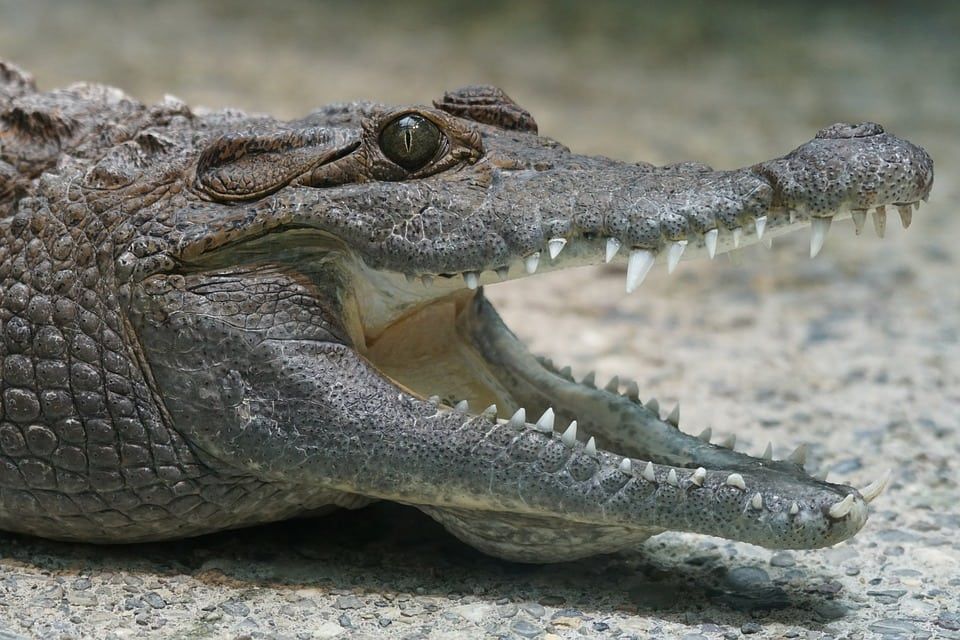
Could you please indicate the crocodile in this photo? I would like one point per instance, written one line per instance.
(212, 320)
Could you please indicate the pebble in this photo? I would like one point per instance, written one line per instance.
(155, 600)
(235, 608)
(526, 629)
(508, 610)
(782, 559)
(750, 627)
(475, 613)
(535, 610)
(349, 602)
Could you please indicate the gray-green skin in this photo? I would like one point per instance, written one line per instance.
(191, 305)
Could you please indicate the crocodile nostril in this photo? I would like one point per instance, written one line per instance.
(847, 130)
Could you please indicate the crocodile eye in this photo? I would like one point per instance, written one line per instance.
(411, 141)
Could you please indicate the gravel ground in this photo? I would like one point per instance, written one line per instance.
(855, 353)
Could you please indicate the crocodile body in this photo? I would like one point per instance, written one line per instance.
(212, 320)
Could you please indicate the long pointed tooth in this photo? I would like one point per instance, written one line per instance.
(590, 380)
(768, 452)
(823, 474)
(794, 508)
(736, 480)
(698, 476)
(531, 262)
(737, 237)
(674, 253)
(569, 437)
(518, 419)
(638, 266)
(503, 273)
(818, 234)
(767, 242)
(906, 215)
(842, 508)
(463, 406)
(545, 423)
(674, 416)
(613, 245)
(626, 466)
(710, 239)
(672, 478)
(761, 225)
(875, 488)
(614, 385)
(648, 473)
(410, 277)
(591, 448)
(859, 219)
(653, 406)
(799, 455)
(730, 441)
(566, 373)
(472, 278)
(706, 434)
(555, 246)
(427, 280)
(633, 390)
(490, 412)
(880, 221)
(756, 501)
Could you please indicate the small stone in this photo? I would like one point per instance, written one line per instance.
(601, 627)
(526, 629)
(508, 610)
(475, 613)
(345, 621)
(154, 600)
(535, 610)
(750, 627)
(234, 608)
(949, 621)
(893, 626)
(348, 602)
(325, 630)
(782, 559)
(82, 584)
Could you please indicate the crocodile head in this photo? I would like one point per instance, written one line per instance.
(306, 299)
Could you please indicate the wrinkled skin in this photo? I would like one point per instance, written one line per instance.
(210, 321)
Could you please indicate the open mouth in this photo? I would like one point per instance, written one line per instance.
(455, 351)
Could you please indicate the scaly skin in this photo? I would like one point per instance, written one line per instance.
(210, 321)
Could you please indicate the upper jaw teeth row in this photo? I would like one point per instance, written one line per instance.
(648, 471)
(640, 261)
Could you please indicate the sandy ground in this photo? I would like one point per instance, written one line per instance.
(855, 353)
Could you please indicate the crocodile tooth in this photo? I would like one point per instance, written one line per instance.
(823, 474)
(906, 215)
(706, 434)
(638, 266)
(674, 416)
(674, 253)
(531, 261)
(768, 452)
(859, 217)
(736, 480)
(761, 225)
(613, 245)
(730, 441)
(710, 239)
(614, 385)
(555, 246)
(545, 423)
(490, 412)
(434, 400)
(518, 419)
(794, 508)
(916, 205)
(648, 473)
(756, 501)
(737, 237)
(626, 466)
(842, 508)
(503, 273)
(799, 455)
(590, 380)
(566, 373)
(768, 242)
(633, 390)
(472, 278)
(653, 406)
(880, 220)
(818, 234)
(591, 448)
(672, 478)
(698, 476)
(463, 406)
(875, 488)
(569, 437)
(410, 277)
